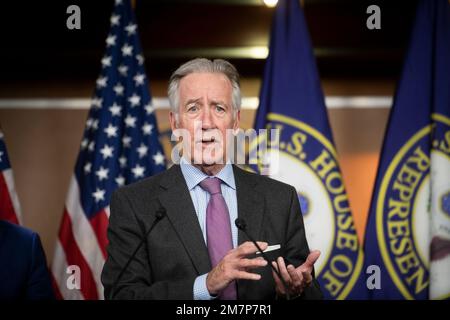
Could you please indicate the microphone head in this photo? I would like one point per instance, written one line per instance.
(160, 213)
(240, 224)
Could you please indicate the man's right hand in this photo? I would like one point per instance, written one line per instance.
(235, 265)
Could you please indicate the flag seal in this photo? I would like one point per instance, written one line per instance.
(309, 163)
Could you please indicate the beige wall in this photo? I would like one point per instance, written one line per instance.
(43, 146)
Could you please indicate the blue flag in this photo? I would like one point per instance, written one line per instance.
(411, 202)
(291, 100)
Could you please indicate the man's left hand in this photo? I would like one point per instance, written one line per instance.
(296, 279)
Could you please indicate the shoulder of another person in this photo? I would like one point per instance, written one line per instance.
(15, 231)
(19, 237)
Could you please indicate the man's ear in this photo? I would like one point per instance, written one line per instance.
(173, 120)
(237, 120)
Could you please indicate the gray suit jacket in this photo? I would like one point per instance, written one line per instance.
(175, 253)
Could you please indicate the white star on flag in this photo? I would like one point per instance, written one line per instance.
(130, 121)
(158, 158)
(140, 59)
(91, 146)
(96, 102)
(84, 143)
(120, 180)
(89, 123)
(102, 82)
(111, 41)
(95, 124)
(115, 110)
(115, 20)
(99, 195)
(139, 79)
(118, 89)
(87, 167)
(142, 150)
(111, 131)
(102, 173)
(149, 108)
(123, 161)
(127, 50)
(126, 141)
(134, 100)
(131, 28)
(138, 171)
(123, 70)
(106, 61)
(1, 153)
(147, 128)
(106, 151)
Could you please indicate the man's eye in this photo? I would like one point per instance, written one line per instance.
(220, 109)
(192, 108)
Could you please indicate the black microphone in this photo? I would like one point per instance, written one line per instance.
(241, 225)
(160, 214)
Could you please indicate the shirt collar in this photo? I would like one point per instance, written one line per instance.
(194, 175)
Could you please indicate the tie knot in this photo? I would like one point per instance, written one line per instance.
(211, 185)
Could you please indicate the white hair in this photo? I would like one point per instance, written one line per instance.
(202, 65)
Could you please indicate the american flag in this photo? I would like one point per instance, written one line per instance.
(120, 146)
(9, 203)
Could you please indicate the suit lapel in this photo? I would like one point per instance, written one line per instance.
(250, 204)
(181, 213)
(251, 209)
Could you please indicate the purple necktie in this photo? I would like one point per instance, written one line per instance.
(218, 230)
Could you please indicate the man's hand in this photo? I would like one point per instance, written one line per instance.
(235, 266)
(296, 279)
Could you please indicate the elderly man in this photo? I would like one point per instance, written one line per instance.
(194, 249)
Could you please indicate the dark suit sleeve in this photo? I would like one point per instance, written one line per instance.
(38, 284)
(296, 249)
(124, 235)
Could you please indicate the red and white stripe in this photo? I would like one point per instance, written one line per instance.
(9, 202)
(81, 242)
